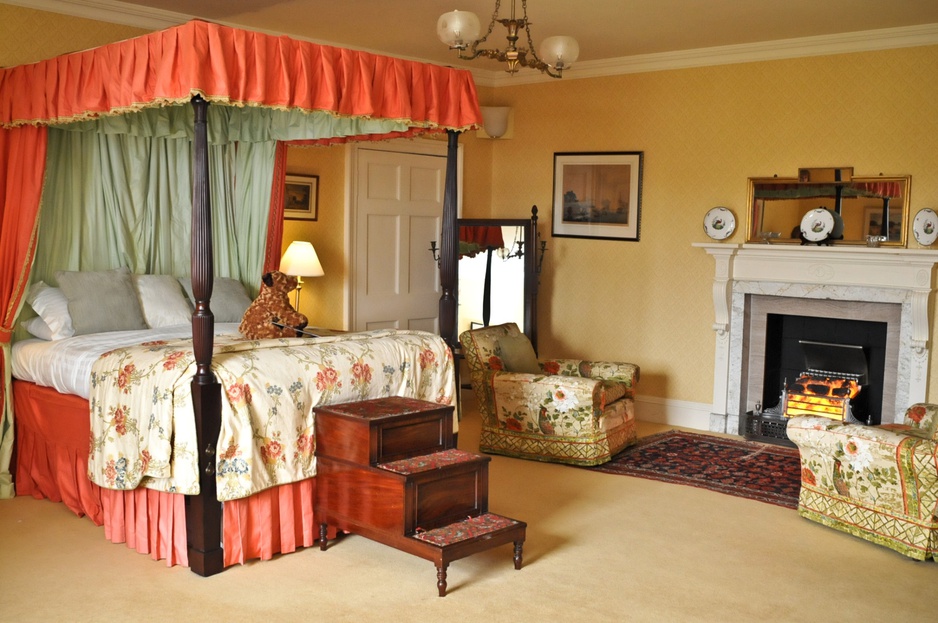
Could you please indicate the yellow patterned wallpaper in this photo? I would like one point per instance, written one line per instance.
(27, 35)
(703, 131)
(321, 298)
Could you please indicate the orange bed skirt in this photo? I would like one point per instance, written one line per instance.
(52, 433)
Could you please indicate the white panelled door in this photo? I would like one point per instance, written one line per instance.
(398, 211)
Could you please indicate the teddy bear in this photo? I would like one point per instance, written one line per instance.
(272, 305)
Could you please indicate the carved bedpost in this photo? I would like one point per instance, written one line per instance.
(449, 247)
(203, 512)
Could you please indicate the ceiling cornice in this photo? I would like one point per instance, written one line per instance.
(845, 43)
(863, 41)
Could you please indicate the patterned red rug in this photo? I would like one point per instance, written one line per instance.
(747, 469)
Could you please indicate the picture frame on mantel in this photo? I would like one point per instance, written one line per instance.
(597, 195)
(301, 197)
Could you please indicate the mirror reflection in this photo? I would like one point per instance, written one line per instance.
(860, 208)
(497, 274)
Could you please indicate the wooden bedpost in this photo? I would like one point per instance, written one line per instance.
(449, 246)
(203, 512)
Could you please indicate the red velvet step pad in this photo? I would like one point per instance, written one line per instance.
(427, 462)
(466, 529)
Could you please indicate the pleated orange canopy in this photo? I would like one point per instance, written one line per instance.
(239, 68)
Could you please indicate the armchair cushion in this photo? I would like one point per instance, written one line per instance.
(518, 355)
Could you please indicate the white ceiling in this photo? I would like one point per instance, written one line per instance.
(613, 34)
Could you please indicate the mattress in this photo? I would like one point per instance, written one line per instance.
(65, 365)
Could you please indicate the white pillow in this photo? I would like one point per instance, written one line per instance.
(37, 327)
(162, 300)
(52, 306)
(229, 298)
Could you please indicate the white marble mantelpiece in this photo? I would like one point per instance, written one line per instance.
(882, 275)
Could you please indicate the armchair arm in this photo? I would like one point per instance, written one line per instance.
(621, 372)
(889, 468)
(923, 417)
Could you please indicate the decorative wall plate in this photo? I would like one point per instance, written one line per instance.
(925, 227)
(817, 225)
(719, 223)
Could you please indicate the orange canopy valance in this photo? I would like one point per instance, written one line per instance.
(240, 68)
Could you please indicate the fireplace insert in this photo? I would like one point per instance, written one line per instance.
(834, 383)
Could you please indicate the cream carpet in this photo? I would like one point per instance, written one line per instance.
(600, 547)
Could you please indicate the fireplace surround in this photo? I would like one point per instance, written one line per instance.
(877, 284)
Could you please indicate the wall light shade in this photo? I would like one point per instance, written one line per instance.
(495, 120)
(301, 260)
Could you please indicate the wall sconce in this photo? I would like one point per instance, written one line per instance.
(495, 121)
(300, 261)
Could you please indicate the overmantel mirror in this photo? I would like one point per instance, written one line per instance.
(499, 262)
(827, 206)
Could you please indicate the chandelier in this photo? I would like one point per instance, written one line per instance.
(460, 31)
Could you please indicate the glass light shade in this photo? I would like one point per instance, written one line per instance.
(301, 260)
(458, 29)
(495, 120)
(559, 52)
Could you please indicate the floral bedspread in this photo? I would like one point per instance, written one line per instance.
(142, 424)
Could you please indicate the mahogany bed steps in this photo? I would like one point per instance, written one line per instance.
(387, 470)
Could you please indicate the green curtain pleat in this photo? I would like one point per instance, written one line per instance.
(119, 193)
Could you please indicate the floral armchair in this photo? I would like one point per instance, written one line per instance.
(879, 483)
(559, 410)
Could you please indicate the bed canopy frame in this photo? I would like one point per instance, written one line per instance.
(364, 96)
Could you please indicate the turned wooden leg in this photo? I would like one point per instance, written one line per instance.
(322, 536)
(518, 546)
(441, 579)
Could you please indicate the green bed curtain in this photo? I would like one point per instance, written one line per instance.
(119, 193)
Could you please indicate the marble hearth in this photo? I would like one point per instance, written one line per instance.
(884, 285)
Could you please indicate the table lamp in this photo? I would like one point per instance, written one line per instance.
(300, 261)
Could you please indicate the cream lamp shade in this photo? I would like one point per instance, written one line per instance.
(301, 260)
(495, 120)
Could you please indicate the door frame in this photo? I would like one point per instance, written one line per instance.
(419, 146)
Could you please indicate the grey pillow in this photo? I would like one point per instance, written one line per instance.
(229, 298)
(101, 301)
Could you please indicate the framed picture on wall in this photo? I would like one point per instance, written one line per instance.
(598, 195)
(301, 197)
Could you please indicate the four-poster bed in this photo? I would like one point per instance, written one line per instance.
(340, 95)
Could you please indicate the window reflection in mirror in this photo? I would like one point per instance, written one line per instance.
(865, 204)
(490, 253)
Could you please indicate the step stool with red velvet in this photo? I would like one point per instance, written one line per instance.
(387, 470)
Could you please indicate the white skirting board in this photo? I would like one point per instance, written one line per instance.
(674, 412)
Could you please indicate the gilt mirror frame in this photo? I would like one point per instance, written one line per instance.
(777, 206)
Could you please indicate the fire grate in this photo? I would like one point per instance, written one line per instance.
(767, 428)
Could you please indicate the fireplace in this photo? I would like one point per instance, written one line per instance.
(754, 284)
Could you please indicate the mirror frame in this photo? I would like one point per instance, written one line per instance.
(531, 236)
(754, 233)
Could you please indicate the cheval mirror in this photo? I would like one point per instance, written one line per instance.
(499, 262)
